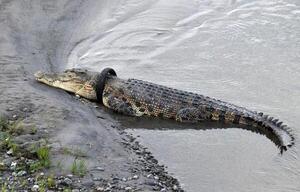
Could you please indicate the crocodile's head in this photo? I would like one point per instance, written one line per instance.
(78, 81)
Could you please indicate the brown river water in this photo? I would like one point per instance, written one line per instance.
(245, 52)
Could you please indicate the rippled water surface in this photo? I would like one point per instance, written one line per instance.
(244, 52)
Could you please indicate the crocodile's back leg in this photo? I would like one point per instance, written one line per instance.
(192, 114)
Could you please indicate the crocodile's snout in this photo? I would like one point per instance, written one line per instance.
(38, 75)
(44, 77)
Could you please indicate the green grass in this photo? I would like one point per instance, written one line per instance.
(82, 168)
(7, 131)
(35, 166)
(13, 128)
(40, 154)
(42, 185)
(73, 152)
(43, 154)
(4, 187)
(74, 167)
(59, 166)
(79, 168)
(51, 181)
(7, 143)
(4, 123)
(33, 130)
(24, 183)
(16, 128)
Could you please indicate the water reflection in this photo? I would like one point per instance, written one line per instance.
(151, 123)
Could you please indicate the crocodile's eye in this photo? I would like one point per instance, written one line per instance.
(70, 77)
(88, 87)
(76, 80)
(65, 79)
(82, 71)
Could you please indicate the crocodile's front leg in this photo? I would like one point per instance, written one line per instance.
(114, 98)
(118, 105)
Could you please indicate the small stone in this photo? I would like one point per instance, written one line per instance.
(70, 175)
(54, 146)
(21, 173)
(100, 189)
(99, 169)
(42, 174)
(10, 151)
(67, 181)
(135, 177)
(10, 109)
(14, 116)
(29, 161)
(156, 177)
(128, 188)
(150, 183)
(78, 96)
(124, 179)
(163, 190)
(30, 180)
(88, 184)
(2, 165)
(175, 187)
(35, 188)
(11, 121)
(150, 175)
(75, 190)
(13, 165)
(97, 179)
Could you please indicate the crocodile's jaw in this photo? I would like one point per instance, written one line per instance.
(79, 82)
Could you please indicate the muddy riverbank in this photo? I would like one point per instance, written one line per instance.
(34, 36)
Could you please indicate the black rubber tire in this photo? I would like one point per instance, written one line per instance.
(101, 80)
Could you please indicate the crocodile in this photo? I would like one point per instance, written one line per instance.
(135, 97)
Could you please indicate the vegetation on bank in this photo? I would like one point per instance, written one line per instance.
(30, 162)
(23, 164)
(78, 168)
(11, 129)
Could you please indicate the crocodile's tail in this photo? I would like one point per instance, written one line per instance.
(280, 133)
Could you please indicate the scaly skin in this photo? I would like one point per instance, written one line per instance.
(140, 98)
